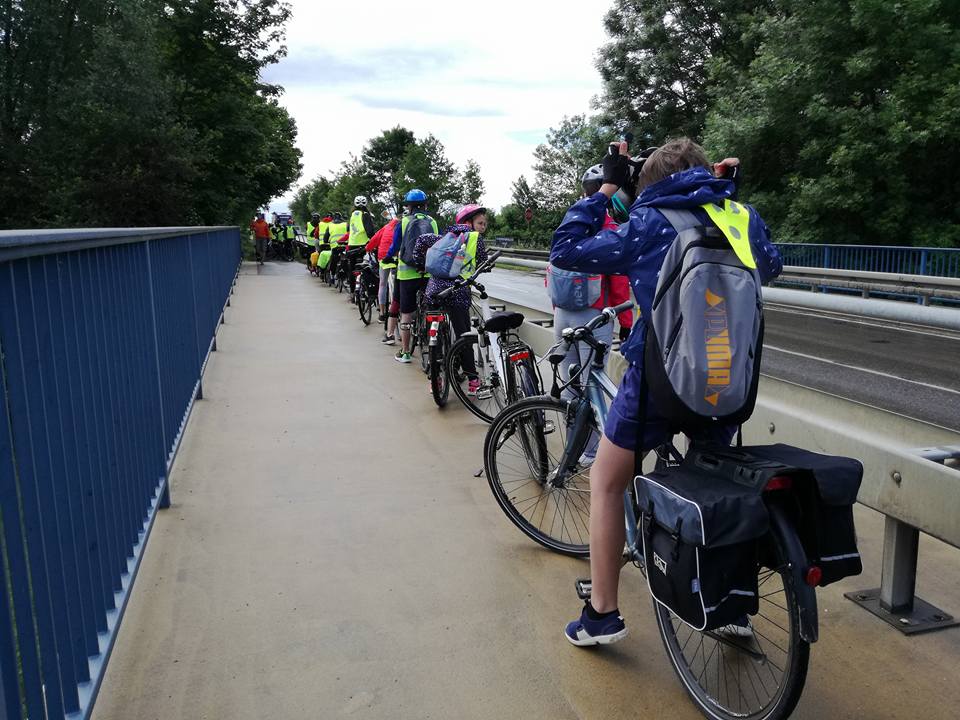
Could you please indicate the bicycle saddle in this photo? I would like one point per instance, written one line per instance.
(503, 321)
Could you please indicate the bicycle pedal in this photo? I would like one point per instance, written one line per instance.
(584, 588)
(548, 427)
(484, 394)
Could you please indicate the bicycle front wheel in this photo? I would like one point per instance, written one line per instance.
(755, 672)
(490, 396)
(521, 456)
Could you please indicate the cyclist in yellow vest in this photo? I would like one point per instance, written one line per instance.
(410, 279)
(361, 229)
(311, 242)
(334, 238)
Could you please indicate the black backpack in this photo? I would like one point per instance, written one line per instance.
(420, 224)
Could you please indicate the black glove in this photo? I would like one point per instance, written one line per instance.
(389, 260)
(624, 333)
(616, 167)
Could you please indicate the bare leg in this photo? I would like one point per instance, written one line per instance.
(608, 480)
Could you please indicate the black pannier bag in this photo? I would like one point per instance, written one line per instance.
(827, 488)
(700, 532)
(701, 522)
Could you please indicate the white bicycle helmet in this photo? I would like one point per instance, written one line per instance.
(360, 201)
(593, 174)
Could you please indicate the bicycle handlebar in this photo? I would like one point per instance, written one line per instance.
(608, 314)
(485, 266)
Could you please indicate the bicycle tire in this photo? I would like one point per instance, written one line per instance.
(364, 305)
(439, 382)
(528, 501)
(529, 379)
(797, 655)
(491, 398)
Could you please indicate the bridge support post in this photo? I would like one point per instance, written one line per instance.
(895, 601)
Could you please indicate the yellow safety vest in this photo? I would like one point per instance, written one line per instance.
(471, 252)
(358, 235)
(733, 219)
(321, 231)
(337, 231)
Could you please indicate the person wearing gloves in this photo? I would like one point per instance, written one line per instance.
(678, 176)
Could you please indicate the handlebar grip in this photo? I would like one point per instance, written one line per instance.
(480, 287)
(622, 307)
(494, 255)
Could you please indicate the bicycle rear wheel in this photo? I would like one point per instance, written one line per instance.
(521, 456)
(729, 674)
(439, 383)
(490, 397)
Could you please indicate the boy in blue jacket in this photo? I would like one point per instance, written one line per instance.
(677, 176)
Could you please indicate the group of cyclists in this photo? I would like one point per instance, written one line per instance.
(646, 228)
(398, 250)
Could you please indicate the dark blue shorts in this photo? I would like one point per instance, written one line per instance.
(621, 427)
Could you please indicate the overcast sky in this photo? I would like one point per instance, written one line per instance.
(487, 78)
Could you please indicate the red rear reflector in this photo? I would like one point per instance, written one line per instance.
(779, 483)
(435, 318)
(432, 332)
(522, 355)
(814, 576)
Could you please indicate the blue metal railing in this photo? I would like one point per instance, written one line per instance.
(103, 339)
(939, 262)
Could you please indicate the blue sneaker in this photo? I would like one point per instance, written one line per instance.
(585, 632)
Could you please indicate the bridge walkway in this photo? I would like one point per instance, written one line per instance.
(329, 553)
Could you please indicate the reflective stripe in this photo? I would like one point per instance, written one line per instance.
(848, 556)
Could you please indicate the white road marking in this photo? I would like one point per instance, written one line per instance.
(861, 369)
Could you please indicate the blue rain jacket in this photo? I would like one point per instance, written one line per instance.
(637, 248)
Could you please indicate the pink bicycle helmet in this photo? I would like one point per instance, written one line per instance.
(468, 211)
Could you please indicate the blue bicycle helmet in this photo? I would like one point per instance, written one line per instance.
(415, 196)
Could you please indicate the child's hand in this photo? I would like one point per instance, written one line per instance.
(721, 168)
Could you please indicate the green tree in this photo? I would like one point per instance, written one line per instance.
(655, 66)
(383, 158)
(576, 144)
(426, 166)
(140, 112)
(846, 121)
(471, 184)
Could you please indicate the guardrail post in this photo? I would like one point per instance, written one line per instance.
(898, 578)
(895, 601)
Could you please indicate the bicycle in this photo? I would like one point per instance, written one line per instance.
(365, 284)
(548, 496)
(755, 668)
(505, 365)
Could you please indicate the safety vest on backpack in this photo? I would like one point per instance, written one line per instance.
(453, 255)
(337, 231)
(358, 235)
(411, 228)
(704, 334)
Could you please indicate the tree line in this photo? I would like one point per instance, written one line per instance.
(141, 112)
(843, 112)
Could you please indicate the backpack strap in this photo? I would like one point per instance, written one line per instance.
(681, 220)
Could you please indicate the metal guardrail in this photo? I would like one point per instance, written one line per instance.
(914, 487)
(930, 262)
(104, 335)
(921, 287)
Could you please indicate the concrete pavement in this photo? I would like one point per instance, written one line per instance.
(329, 553)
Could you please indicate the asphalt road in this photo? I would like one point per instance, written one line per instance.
(909, 371)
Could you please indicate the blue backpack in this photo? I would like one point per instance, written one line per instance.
(571, 290)
(447, 257)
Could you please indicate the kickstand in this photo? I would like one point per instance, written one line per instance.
(478, 473)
